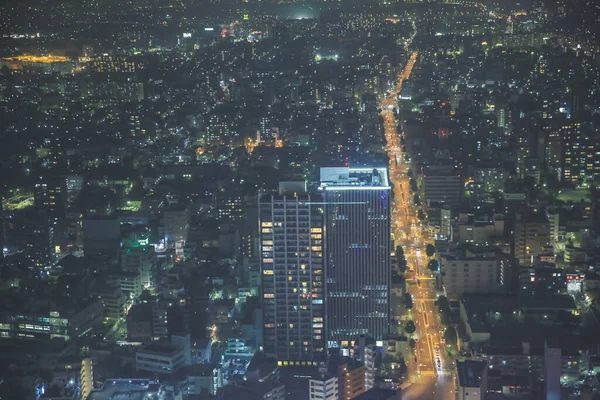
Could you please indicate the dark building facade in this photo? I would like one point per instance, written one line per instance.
(357, 253)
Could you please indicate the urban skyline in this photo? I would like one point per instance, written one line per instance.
(300, 200)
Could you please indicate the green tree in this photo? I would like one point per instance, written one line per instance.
(413, 185)
(450, 335)
(410, 327)
(433, 265)
(399, 251)
(429, 250)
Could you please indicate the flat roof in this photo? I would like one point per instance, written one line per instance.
(123, 390)
(378, 394)
(350, 178)
(547, 301)
(470, 373)
(162, 349)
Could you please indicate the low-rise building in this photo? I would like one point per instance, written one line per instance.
(380, 394)
(466, 271)
(472, 380)
(160, 358)
(267, 390)
(323, 387)
(47, 320)
(202, 379)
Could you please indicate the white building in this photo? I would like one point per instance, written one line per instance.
(482, 230)
(323, 388)
(203, 379)
(466, 272)
(160, 358)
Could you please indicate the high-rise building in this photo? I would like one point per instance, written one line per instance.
(175, 224)
(291, 240)
(532, 233)
(357, 253)
(86, 377)
(581, 147)
(49, 196)
(137, 256)
(40, 241)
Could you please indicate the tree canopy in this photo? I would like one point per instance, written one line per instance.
(429, 250)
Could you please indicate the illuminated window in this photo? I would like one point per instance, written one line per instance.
(267, 260)
(268, 272)
(269, 296)
(315, 230)
(267, 230)
(267, 224)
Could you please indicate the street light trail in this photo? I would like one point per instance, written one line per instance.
(429, 381)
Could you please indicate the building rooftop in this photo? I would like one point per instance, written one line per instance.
(163, 349)
(249, 390)
(346, 178)
(547, 301)
(123, 389)
(470, 373)
(379, 394)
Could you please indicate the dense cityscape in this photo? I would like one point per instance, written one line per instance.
(300, 200)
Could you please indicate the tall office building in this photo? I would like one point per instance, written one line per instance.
(357, 252)
(291, 239)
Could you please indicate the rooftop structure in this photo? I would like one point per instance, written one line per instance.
(346, 178)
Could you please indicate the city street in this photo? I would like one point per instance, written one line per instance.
(430, 371)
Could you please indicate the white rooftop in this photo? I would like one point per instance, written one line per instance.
(347, 178)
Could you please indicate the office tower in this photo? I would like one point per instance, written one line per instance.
(357, 252)
(291, 229)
